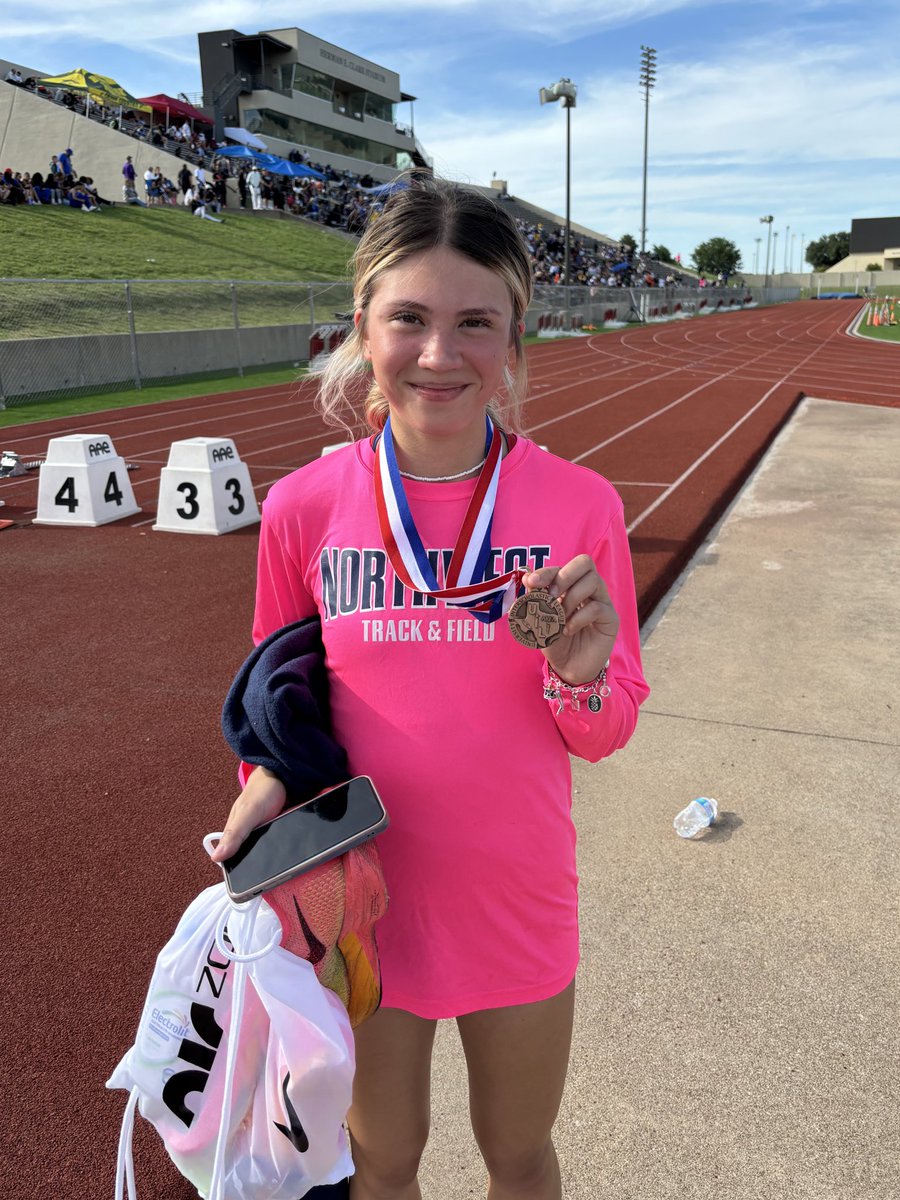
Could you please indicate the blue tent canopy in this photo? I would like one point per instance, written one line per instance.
(271, 162)
(283, 166)
(386, 189)
(234, 152)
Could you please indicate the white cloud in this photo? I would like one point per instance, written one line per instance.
(799, 129)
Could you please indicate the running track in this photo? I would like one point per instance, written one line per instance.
(119, 645)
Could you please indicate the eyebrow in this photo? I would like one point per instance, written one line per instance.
(463, 312)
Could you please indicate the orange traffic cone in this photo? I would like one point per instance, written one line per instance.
(868, 314)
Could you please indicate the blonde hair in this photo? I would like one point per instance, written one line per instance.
(424, 216)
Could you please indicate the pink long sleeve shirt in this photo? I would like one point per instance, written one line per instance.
(448, 716)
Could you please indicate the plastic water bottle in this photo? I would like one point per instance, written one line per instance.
(698, 815)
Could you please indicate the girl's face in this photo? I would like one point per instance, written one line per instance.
(437, 333)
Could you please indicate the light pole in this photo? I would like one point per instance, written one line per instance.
(787, 243)
(774, 253)
(647, 81)
(756, 256)
(802, 244)
(767, 221)
(793, 243)
(566, 91)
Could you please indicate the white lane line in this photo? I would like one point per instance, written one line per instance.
(136, 416)
(571, 412)
(705, 455)
(636, 483)
(718, 378)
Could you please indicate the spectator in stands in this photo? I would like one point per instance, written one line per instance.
(169, 191)
(90, 187)
(66, 168)
(55, 180)
(80, 197)
(184, 180)
(242, 186)
(199, 204)
(31, 196)
(14, 76)
(254, 182)
(266, 190)
(130, 196)
(12, 183)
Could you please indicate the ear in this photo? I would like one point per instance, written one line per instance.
(357, 319)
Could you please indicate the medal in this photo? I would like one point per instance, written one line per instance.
(537, 619)
(466, 586)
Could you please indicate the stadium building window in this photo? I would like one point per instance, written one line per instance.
(345, 100)
(379, 108)
(310, 82)
(319, 137)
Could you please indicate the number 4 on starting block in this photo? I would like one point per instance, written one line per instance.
(83, 482)
(205, 488)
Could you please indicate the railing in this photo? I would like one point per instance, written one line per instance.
(61, 337)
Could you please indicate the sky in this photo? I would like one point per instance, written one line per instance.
(789, 109)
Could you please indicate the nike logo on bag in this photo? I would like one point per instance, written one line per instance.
(295, 1134)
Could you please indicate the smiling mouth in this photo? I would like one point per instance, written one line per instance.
(438, 389)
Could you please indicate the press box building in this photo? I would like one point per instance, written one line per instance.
(298, 92)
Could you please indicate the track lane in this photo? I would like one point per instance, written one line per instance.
(124, 642)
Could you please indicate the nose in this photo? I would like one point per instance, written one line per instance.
(440, 350)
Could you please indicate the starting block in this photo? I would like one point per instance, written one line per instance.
(205, 488)
(83, 482)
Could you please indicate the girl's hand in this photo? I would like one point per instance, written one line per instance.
(584, 648)
(262, 799)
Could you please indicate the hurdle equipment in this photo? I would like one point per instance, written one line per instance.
(205, 488)
(83, 482)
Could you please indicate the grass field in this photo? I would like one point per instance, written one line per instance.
(72, 406)
(164, 243)
(881, 333)
(159, 245)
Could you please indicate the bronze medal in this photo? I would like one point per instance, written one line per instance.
(537, 619)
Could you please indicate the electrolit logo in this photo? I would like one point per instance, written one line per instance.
(166, 1022)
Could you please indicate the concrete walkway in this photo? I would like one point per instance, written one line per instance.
(738, 1031)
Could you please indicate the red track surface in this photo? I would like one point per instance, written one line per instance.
(120, 643)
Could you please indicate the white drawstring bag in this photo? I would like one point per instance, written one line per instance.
(242, 1061)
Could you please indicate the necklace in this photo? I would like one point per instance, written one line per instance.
(444, 478)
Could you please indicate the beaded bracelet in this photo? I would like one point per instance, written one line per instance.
(596, 691)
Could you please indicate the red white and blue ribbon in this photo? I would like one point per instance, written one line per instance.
(466, 586)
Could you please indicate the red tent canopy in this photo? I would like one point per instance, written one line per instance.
(175, 108)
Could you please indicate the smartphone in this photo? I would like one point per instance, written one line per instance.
(303, 837)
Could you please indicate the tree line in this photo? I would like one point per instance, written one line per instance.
(719, 256)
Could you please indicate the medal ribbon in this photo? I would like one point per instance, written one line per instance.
(466, 585)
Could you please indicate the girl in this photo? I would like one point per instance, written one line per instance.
(465, 731)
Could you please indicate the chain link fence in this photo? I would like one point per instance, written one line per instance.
(64, 337)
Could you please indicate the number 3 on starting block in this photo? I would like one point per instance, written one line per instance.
(83, 482)
(205, 488)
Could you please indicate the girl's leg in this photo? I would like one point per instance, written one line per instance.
(517, 1060)
(391, 1109)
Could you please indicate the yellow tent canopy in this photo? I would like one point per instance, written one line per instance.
(100, 88)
